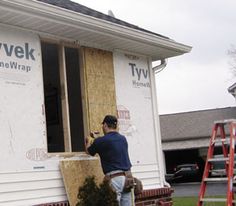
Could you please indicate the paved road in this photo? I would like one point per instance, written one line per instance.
(192, 189)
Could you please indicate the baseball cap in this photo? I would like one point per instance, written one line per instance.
(110, 120)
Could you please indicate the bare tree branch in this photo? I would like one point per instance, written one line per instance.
(232, 54)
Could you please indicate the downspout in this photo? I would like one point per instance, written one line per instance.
(160, 67)
(159, 153)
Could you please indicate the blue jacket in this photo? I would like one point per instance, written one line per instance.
(113, 151)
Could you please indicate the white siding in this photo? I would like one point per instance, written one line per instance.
(30, 188)
(148, 174)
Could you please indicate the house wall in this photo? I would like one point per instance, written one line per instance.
(135, 112)
(28, 174)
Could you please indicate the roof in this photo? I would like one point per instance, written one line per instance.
(70, 5)
(68, 21)
(192, 125)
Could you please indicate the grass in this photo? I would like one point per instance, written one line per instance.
(192, 201)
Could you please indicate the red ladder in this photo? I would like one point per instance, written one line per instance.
(218, 136)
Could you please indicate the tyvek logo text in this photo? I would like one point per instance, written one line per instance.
(18, 51)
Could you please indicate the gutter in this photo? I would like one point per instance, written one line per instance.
(157, 129)
(178, 139)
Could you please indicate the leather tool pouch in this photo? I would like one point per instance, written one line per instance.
(138, 187)
(132, 182)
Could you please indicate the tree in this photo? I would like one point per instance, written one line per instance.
(232, 55)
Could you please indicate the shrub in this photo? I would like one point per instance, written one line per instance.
(92, 195)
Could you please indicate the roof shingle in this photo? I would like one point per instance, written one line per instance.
(189, 125)
(72, 6)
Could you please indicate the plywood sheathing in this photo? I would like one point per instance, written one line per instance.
(74, 173)
(100, 86)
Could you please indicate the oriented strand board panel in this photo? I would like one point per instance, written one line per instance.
(100, 86)
(74, 173)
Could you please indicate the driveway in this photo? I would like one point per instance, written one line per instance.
(193, 188)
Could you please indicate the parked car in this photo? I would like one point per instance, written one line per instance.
(218, 167)
(169, 177)
(184, 172)
(187, 170)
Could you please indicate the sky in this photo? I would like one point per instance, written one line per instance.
(198, 80)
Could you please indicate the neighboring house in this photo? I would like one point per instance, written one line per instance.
(63, 67)
(186, 136)
(232, 90)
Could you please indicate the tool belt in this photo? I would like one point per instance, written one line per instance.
(116, 175)
(130, 182)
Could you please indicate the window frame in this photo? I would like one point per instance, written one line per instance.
(64, 93)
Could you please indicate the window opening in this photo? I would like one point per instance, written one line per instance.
(63, 102)
(74, 97)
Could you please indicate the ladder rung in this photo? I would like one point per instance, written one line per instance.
(216, 179)
(215, 200)
(219, 159)
(227, 140)
(225, 121)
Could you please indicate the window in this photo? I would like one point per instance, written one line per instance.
(63, 102)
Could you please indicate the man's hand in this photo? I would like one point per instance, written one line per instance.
(94, 134)
(88, 141)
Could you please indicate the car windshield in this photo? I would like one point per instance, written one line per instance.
(185, 166)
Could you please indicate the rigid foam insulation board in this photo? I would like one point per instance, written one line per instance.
(74, 173)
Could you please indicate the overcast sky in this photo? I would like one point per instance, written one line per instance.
(194, 81)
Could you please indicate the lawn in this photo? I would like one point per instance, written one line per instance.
(192, 201)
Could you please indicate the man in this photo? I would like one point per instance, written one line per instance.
(113, 151)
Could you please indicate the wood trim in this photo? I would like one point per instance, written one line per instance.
(64, 100)
(84, 93)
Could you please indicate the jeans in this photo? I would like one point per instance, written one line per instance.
(124, 199)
